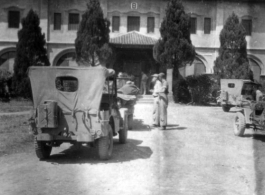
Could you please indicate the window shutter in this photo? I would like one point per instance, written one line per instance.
(115, 23)
(57, 21)
(150, 24)
(207, 25)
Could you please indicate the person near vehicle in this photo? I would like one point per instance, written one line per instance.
(258, 94)
(156, 90)
(163, 101)
(129, 89)
(144, 79)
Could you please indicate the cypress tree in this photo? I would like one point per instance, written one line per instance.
(93, 35)
(30, 51)
(174, 48)
(232, 61)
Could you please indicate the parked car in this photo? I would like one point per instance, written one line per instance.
(76, 105)
(234, 92)
(251, 115)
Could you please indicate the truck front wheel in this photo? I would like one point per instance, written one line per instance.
(105, 145)
(42, 150)
(239, 124)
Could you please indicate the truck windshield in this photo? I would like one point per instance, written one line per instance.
(248, 89)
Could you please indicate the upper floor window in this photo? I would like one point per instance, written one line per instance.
(133, 23)
(207, 25)
(57, 21)
(150, 25)
(73, 21)
(247, 24)
(115, 23)
(13, 19)
(193, 25)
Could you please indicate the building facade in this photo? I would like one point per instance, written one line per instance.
(134, 30)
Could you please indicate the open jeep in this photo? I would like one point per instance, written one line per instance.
(250, 115)
(76, 105)
(234, 92)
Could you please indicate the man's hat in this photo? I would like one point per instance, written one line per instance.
(155, 75)
(161, 74)
(129, 82)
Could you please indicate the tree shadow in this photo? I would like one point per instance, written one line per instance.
(83, 155)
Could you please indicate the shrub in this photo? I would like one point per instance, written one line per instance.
(200, 88)
(181, 92)
(5, 77)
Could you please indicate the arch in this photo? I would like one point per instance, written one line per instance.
(7, 59)
(197, 67)
(256, 66)
(58, 60)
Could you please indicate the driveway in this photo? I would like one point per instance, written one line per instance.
(197, 154)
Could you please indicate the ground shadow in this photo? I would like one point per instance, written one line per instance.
(121, 153)
(259, 137)
(168, 128)
(138, 125)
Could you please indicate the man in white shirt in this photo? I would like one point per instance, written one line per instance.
(156, 91)
(259, 94)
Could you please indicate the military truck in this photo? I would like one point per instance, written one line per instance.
(77, 105)
(234, 92)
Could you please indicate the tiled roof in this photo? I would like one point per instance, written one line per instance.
(133, 38)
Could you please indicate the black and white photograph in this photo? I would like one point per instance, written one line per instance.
(132, 97)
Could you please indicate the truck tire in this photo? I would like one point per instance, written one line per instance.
(105, 145)
(225, 108)
(239, 124)
(42, 150)
(124, 131)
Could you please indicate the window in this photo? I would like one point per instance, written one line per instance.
(13, 19)
(193, 25)
(57, 21)
(247, 24)
(133, 23)
(150, 24)
(231, 85)
(207, 25)
(115, 23)
(66, 84)
(73, 21)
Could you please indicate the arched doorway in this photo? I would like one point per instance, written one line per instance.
(66, 58)
(7, 60)
(196, 68)
(255, 69)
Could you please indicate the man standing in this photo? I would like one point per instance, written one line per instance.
(259, 94)
(157, 88)
(163, 101)
(143, 83)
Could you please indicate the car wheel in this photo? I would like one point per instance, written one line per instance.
(225, 108)
(42, 150)
(105, 145)
(124, 131)
(239, 124)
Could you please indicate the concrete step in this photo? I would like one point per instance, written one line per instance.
(145, 99)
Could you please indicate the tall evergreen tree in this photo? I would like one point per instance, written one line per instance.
(93, 35)
(232, 61)
(174, 48)
(30, 51)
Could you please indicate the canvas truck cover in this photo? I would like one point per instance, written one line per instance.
(88, 95)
